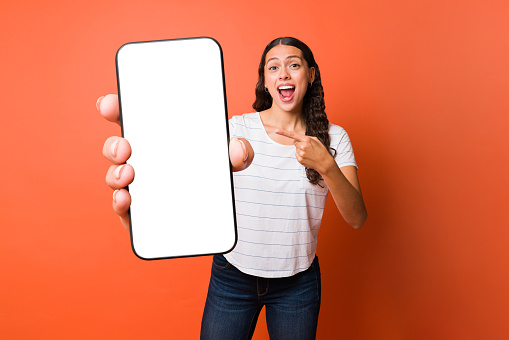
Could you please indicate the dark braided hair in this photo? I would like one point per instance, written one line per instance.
(313, 107)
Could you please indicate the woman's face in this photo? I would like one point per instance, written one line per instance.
(287, 77)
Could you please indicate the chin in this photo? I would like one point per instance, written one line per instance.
(289, 106)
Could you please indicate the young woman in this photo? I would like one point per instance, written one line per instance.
(280, 196)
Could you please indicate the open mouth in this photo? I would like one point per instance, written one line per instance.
(286, 92)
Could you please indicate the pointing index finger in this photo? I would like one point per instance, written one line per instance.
(290, 134)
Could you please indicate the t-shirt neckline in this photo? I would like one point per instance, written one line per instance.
(266, 135)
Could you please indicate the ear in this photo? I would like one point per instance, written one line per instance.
(311, 74)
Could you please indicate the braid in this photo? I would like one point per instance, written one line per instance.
(317, 124)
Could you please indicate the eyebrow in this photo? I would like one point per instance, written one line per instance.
(289, 57)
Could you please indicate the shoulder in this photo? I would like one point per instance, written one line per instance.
(246, 121)
(336, 129)
(340, 141)
(242, 119)
(338, 134)
(246, 124)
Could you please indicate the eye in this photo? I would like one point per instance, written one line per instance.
(294, 65)
(272, 68)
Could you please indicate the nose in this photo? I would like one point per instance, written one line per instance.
(283, 74)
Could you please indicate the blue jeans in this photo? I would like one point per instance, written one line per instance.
(235, 300)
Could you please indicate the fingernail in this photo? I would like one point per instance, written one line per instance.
(115, 196)
(98, 103)
(113, 148)
(244, 149)
(118, 171)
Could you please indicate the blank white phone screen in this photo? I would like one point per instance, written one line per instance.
(173, 113)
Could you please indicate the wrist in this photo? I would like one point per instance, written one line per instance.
(328, 165)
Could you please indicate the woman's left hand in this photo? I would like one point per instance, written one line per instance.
(309, 151)
(342, 183)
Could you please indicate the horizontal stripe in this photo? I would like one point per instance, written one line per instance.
(278, 244)
(272, 257)
(281, 205)
(276, 156)
(280, 231)
(271, 167)
(279, 218)
(271, 179)
(247, 127)
(282, 192)
(251, 140)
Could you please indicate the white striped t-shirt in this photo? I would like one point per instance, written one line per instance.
(278, 211)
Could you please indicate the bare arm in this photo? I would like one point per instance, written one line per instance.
(344, 187)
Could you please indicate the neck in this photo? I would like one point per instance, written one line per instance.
(287, 120)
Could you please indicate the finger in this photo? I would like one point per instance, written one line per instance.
(117, 150)
(119, 176)
(108, 106)
(290, 134)
(121, 204)
(241, 153)
(238, 152)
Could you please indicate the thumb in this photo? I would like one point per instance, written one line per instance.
(241, 153)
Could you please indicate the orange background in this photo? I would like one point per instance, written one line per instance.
(422, 87)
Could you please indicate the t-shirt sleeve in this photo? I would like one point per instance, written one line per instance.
(340, 141)
(233, 123)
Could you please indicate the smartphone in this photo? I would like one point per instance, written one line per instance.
(173, 113)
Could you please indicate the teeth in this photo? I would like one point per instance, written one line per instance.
(286, 87)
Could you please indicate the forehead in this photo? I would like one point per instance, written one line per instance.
(282, 52)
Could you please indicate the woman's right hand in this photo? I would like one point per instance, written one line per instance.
(118, 150)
